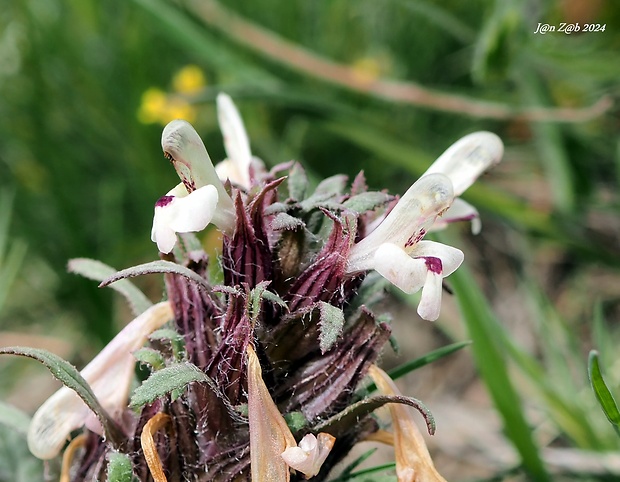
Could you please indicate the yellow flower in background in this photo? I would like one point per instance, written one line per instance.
(189, 80)
(159, 107)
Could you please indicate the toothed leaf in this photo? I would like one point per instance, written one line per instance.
(150, 357)
(155, 267)
(166, 380)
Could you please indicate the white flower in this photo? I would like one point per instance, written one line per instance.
(201, 197)
(310, 453)
(236, 167)
(463, 162)
(395, 248)
(180, 212)
(424, 267)
(109, 375)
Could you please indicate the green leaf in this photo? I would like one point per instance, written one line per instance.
(331, 321)
(353, 414)
(150, 357)
(370, 474)
(367, 201)
(327, 189)
(430, 357)
(351, 467)
(297, 182)
(156, 267)
(119, 468)
(275, 299)
(98, 271)
(177, 342)
(296, 421)
(286, 222)
(14, 418)
(603, 394)
(164, 381)
(71, 378)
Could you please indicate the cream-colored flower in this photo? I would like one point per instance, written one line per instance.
(463, 162)
(201, 197)
(413, 462)
(395, 248)
(310, 453)
(109, 375)
(396, 251)
(236, 167)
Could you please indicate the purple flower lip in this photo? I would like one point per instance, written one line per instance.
(433, 264)
(164, 201)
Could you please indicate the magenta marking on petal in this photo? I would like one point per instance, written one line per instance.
(433, 264)
(163, 201)
(415, 238)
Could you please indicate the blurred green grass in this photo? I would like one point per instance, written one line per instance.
(85, 171)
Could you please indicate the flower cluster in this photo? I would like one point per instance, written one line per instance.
(257, 375)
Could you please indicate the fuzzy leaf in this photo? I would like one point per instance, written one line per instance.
(295, 421)
(71, 378)
(164, 381)
(274, 298)
(331, 321)
(297, 182)
(166, 334)
(177, 342)
(155, 267)
(367, 201)
(286, 222)
(331, 186)
(327, 189)
(150, 357)
(343, 421)
(275, 208)
(14, 418)
(119, 468)
(602, 392)
(98, 271)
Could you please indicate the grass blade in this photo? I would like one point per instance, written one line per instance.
(602, 392)
(488, 354)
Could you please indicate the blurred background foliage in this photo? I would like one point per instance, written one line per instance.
(86, 87)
